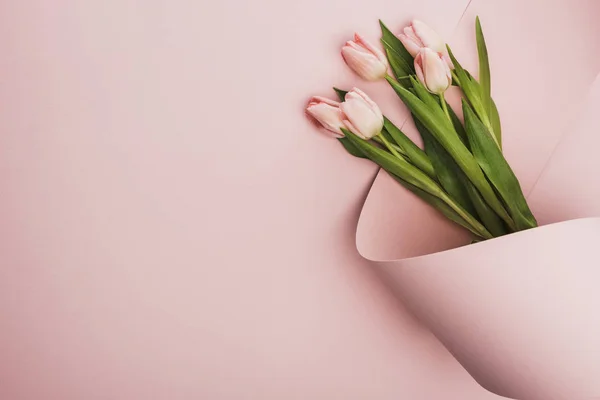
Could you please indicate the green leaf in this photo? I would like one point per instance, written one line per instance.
(395, 165)
(432, 101)
(340, 93)
(495, 121)
(411, 150)
(406, 146)
(497, 170)
(439, 205)
(494, 116)
(398, 66)
(447, 172)
(485, 79)
(401, 61)
(471, 89)
(351, 148)
(490, 219)
(455, 147)
(414, 176)
(458, 127)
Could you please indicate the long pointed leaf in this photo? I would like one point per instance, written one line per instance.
(495, 121)
(401, 61)
(494, 116)
(454, 146)
(396, 166)
(446, 169)
(412, 151)
(485, 79)
(456, 183)
(488, 217)
(458, 126)
(426, 97)
(498, 171)
(471, 89)
(414, 176)
(351, 148)
(439, 205)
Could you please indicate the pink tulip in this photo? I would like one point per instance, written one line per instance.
(433, 71)
(366, 60)
(419, 35)
(328, 113)
(361, 115)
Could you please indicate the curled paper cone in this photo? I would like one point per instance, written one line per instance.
(520, 312)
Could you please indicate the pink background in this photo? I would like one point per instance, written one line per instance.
(171, 225)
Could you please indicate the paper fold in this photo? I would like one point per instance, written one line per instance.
(542, 71)
(519, 312)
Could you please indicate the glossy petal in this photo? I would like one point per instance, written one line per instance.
(433, 71)
(327, 113)
(411, 45)
(361, 115)
(364, 64)
(428, 36)
(366, 60)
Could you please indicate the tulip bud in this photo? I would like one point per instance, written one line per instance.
(361, 115)
(328, 113)
(419, 35)
(433, 71)
(366, 60)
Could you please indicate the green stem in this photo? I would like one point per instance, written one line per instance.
(445, 106)
(478, 228)
(397, 148)
(389, 146)
(455, 77)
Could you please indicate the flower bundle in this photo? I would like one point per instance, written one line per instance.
(461, 170)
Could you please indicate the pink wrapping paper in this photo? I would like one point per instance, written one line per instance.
(518, 312)
(152, 249)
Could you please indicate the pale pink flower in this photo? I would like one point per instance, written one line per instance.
(328, 113)
(419, 35)
(366, 60)
(361, 115)
(433, 71)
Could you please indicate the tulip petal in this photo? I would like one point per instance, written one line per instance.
(320, 99)
(356, 47)
(353, 129)
(410, 32)
(409, 44)
(428, 36)
(374, 107)
(435, 70)
(327, 113)
(363, 114)
(419, 68)
(370, 48)
(366, 65)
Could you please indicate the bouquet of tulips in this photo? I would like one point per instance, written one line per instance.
(461, 170)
